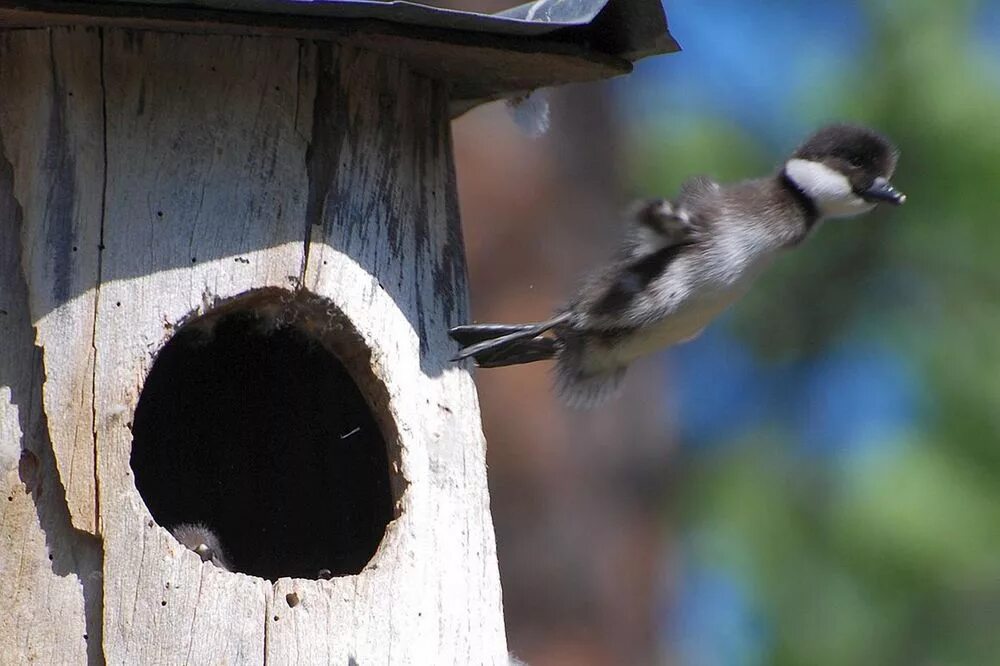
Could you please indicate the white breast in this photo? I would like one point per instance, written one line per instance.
(692, 293)
(684, 324)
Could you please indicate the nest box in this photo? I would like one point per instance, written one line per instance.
(230, 253)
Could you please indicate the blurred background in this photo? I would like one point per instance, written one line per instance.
(816, 479)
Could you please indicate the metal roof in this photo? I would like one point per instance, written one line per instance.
(483, 56)
(533, 18)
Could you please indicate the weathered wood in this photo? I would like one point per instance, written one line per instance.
(51, 119)
(478, 67)
(224, 165)
(205, 164)
(388, 250)
(50, 573)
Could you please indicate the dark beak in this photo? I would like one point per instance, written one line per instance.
(882, 190)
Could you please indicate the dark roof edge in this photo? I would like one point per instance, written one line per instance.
(478, 66)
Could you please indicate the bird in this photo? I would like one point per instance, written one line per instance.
(203, 541)
(681, 262)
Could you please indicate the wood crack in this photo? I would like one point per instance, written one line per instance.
(97, 286)
(194, 615)
(323, 152)
(267, 610)
(98, 647)
(298, 130)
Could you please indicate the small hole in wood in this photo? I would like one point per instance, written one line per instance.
(264, 422)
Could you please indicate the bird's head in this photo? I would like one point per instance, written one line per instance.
(845, 170)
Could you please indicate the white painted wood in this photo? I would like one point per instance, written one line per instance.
(51, 121)
(208, 166)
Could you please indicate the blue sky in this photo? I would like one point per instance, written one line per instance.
(745, 61)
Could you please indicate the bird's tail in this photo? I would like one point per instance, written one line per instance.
(494, 345)
(578, 383)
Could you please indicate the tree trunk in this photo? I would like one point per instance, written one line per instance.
(154, 184)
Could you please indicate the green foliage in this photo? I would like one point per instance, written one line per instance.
(892, 558)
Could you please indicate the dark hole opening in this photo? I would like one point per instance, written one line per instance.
(250, 425)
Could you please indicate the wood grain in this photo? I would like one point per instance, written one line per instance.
(387, 249)
(52, 124)
(204, 166)
(199, 169)
(50, 573)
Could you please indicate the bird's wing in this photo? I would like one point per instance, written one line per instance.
(659, 231)
(613, 297)
(653, 225)
(697, 192)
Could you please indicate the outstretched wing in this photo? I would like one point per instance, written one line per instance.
(659, 231)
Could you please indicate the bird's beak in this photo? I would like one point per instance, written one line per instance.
(882, 190)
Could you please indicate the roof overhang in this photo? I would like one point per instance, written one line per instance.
(482, 56)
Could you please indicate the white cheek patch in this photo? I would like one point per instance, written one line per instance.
(818, 180)
(829, 189)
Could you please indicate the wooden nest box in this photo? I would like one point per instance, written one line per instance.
(230, 253)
